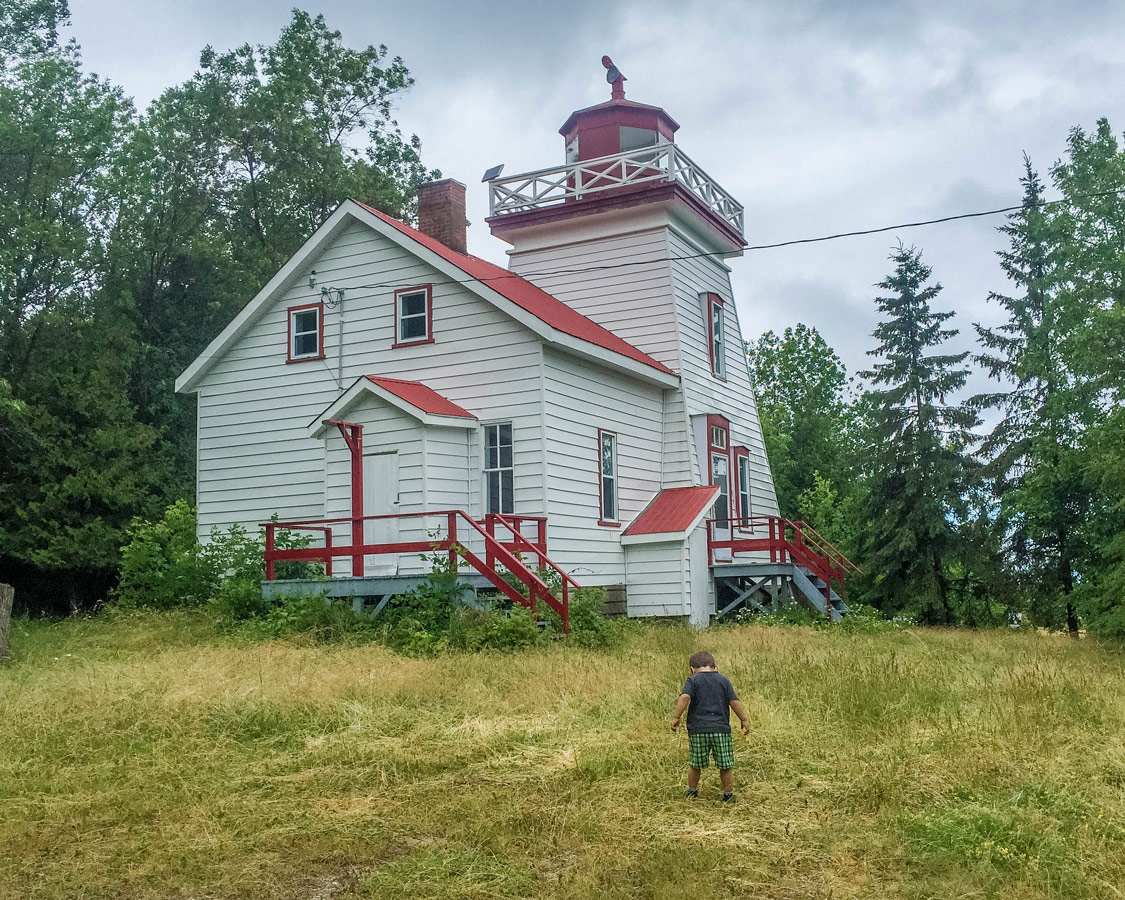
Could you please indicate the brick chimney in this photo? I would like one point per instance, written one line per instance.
(441, 213)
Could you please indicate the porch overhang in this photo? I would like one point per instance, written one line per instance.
(411, 397)
(671, 515)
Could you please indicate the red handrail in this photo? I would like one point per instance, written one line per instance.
(495, 551)
(786, 538)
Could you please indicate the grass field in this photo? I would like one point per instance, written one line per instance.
(149, 757)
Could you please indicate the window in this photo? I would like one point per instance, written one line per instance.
(716, 334)
(607, 489)
(414, 316)
(718, 443)
(720, 475)
(742, 471)
(306, 332)
(499, 474)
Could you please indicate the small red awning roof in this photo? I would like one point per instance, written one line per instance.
(674, 511)
(527, 296)
(417, 394)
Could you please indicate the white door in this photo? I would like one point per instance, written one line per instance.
(380, 498)
(720, 475)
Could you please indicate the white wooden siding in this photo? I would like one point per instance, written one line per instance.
(255, 456)
(580, 399)
(703, 393)
(658, 580)
(631, 301)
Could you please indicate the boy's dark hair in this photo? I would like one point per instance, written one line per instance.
(701, 659)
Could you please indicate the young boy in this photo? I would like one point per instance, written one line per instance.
(708, 723)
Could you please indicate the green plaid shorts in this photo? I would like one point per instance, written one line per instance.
(702, 746)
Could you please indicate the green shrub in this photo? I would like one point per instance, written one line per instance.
(163, 566)
(329, 620)
(495, 630)
(588, 625)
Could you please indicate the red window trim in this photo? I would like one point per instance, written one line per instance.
(715, 420)
(289, 357)
(741, 453)
(616, 478)
(429, 338)
(713, 300)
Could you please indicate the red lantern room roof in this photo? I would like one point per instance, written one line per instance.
(598, 128)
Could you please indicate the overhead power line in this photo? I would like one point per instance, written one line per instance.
(771, 246)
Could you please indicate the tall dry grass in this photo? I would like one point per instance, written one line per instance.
(148, 757)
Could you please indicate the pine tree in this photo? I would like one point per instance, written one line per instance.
(1033, 453)
(918, 466)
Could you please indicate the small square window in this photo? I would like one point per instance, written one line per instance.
(305, 333)
(413, 316)
(718, 437)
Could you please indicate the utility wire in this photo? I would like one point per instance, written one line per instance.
(797, 241)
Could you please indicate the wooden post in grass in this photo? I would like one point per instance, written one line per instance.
(7, 596)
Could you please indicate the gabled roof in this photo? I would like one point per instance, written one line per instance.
(551, 319)
(526, 295)
(671, 515)
(412, 397)
(417, 394)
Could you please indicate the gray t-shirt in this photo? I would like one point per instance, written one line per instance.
(709, 710)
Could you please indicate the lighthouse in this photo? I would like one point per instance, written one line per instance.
(633, 233)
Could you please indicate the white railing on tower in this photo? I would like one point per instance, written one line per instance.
(573, 181)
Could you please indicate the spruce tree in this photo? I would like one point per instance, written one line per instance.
(1032, 457)
(918, 466)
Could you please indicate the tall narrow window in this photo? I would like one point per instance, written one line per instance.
(306, 332)
(718, 452)
(413, 316)
(499, 473)
(720, 475)
(742, 456)
(607, 442)
(716, 334)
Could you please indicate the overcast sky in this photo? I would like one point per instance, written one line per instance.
(818, 116)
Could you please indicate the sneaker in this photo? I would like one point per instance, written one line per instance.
(691, 794)
(729, 798)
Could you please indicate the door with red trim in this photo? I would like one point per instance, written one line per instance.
(380, 498)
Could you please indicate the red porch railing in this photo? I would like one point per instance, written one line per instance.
(785, 541)
(462, 536)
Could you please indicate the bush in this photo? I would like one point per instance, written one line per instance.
(163, 566)
(329, 620)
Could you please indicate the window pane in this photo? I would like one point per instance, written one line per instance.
(305, 344)
(305, 321)
(412, 328)
(607, 455)
(505, 446)
(507, 491)
(609, 499)
(505, 431)
(494, 492)
(413, 304)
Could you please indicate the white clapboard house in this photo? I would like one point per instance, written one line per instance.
(588, 411)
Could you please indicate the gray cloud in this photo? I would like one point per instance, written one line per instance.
(819, 116)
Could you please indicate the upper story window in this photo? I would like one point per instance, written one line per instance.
(716, 334)
(306, 332)
(499, 471)
(414, 316)
(607, 483)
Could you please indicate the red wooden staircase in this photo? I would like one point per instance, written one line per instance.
(494, 547)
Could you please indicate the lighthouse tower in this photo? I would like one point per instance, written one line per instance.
(632, 233)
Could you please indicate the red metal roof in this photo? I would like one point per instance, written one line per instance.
(527, 296)
(417, 394)
(673, 510)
